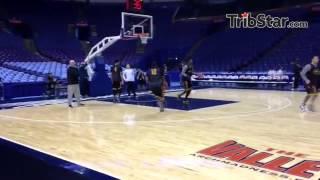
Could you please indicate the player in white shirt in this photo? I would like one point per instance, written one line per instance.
(129, 75)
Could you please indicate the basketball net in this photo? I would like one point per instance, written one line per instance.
(143, 38)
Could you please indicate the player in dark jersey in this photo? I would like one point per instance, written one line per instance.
(155, 80)
(141, 80)
(186, 73)
(166, 78)
(116, 77)
(310, 75)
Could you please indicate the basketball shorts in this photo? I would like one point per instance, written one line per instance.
(157, 92)
(141, 82)
(156, 88)
(187, 84)
(311, 89)
(116, 85)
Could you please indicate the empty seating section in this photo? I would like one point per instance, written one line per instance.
(249, 50)
(40, 68)
(54, 37)
(18, 55)
(11, 49)
(302, 44)
(10, 41)
(12, 76)
(226, 50)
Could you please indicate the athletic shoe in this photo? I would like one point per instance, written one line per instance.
(161, 107)
(303, 108)
(70, 106)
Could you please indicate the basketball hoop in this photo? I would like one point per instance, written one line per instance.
(133, 27)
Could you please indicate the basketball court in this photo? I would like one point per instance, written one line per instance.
(225, 133)
(133, 140)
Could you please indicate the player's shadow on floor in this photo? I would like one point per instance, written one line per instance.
(172, 102)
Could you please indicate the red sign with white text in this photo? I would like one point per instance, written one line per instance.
(236, 154)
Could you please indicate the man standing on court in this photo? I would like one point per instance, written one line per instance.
(310, 75)
(116, 77)
(186, 73)
(129, 76)
(84, 80)
(73, 83)
(296, 73)
(156, 80)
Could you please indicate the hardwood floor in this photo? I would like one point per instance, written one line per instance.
(139, 142)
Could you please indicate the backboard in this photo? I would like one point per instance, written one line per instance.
(136, 25)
